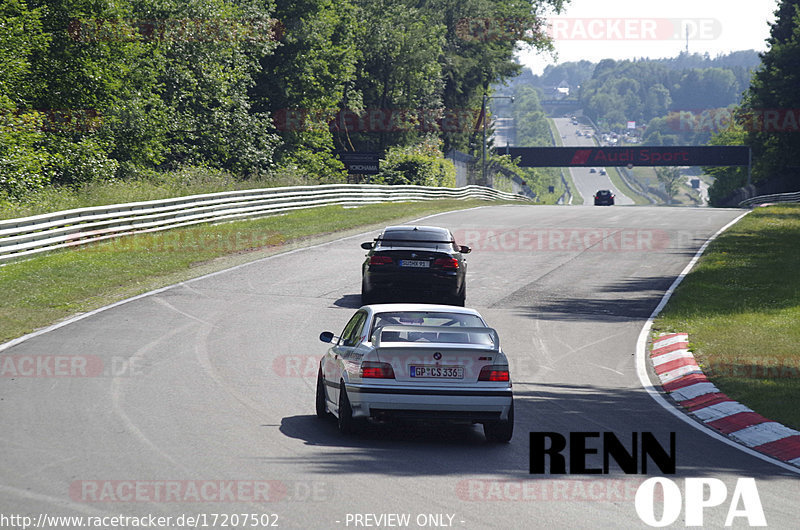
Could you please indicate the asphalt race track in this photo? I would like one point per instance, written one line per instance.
(586, 182)
(212, 408)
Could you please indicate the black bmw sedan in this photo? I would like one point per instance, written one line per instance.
(604, 198)
(414, 263)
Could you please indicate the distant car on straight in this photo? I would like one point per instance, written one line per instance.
(416, 264)
(416, 362)
(604, 198)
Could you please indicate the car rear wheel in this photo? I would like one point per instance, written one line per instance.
(461, 298)
(347, 425)
(367, 296)
(322, 409)
(500, 431)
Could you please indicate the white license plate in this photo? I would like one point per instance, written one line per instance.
(415, 263)
(436, 372)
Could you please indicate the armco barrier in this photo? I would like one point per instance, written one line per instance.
(40, 233)
(778, 197)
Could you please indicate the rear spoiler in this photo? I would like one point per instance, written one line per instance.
(390, 240)
(409, 243)
(438, 336)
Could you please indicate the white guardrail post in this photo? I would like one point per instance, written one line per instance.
(41, 233)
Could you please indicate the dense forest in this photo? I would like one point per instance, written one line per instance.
(94, 90)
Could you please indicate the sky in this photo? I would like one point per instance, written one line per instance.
(625, 29)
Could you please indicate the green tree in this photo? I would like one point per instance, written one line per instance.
(22, 161)
(422, 164)
(657, 102)
(473, 60)
(775, 88)
(398, 70)
(727, 179)
(205, 81)
(305, 78)
(671, 178)
(533, 129)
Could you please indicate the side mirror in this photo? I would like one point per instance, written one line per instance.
(326, 336)
(367, 245)
(464, 249)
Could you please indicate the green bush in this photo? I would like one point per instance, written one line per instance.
(727, 180)
(311, 165)
(422, 164)
(22, 162)
(78, 162)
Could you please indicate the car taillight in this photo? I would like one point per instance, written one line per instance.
(380, 260)
(376, 370)
(494, 373)
(446, 263)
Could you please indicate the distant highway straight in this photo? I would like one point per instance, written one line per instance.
(587, 182)
(211, 409)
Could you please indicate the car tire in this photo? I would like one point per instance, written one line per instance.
(500, 431)
(347, 425)
(461, 298)
(321, 405)
(367, 296)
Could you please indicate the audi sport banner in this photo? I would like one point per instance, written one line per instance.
(718, 155)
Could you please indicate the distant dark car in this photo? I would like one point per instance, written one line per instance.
(592, 170)
(604, 198)
(414, 263)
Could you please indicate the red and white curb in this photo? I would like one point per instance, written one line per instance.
(686, 383)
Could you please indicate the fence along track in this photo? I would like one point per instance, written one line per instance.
(778, 197)
(40, 233)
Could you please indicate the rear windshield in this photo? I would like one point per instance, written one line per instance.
(425, 318)
(431, 318)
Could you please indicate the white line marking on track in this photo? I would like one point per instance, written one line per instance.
(606, 368)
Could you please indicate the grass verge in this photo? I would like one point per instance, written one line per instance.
(178, 183)
(622, 185)
(741, 307)
(45, 289)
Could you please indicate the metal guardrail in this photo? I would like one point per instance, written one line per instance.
(40, 233)
(777, 197)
